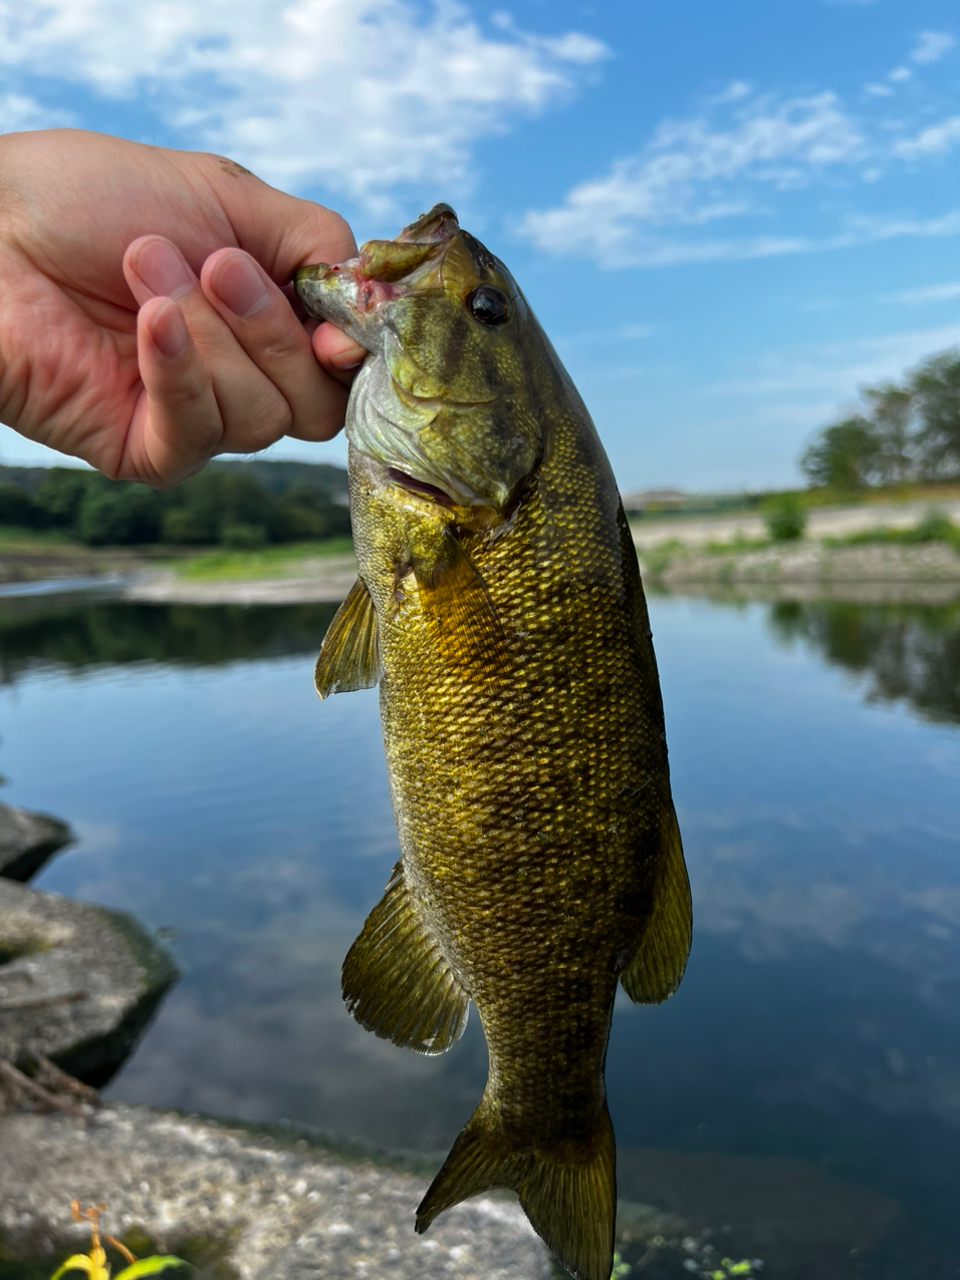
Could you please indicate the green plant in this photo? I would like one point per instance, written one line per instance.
(726, 1269)
(242, 536)
(935, 526)
(95, 1264)
(786, 517)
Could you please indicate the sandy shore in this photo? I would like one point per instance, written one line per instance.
(320, 580)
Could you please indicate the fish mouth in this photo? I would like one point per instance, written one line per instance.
(421, 488)
(348, 293)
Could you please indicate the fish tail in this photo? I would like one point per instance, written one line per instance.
(569, 1191)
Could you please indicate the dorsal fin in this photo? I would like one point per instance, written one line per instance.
(350, 654)
(396, 980)
(657, 965)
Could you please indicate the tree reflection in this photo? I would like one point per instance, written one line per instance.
(907, 653)
(114, 632)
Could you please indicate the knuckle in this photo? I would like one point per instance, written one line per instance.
(283, 345)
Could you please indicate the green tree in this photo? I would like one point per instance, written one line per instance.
(936, 389)
(118, 515)
(214, 501)
(844, 456)
(61, 494)
(306, 512)
(18, 508)
(891, 416)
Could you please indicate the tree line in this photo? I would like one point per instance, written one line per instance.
(242, 505)
(905, 433)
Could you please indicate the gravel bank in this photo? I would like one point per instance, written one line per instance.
(822, 522)
(924, 573)
(250, 1206)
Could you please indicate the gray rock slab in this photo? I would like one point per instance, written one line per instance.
(78, 983)
(280, 1211)
(27, 840)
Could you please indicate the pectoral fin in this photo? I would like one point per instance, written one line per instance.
(657, 966)
(396, 981)
(457, 604)
(350, 654)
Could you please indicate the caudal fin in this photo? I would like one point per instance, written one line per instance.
(569, 1192)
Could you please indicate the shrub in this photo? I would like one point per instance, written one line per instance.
(786, 518)
(243, 537)
(186, 526)
(935, 526)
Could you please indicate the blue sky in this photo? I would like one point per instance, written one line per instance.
(728, 217)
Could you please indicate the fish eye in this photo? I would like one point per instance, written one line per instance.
(489, 305)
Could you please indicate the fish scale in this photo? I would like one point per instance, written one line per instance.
(499, 605)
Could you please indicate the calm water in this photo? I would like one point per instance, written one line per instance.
(802, 1090)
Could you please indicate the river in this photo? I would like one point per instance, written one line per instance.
(800, 1093)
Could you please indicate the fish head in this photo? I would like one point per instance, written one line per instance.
(447, 400)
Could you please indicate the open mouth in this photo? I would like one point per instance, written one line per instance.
(420, 487)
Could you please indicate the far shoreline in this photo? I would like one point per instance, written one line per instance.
(716, 556)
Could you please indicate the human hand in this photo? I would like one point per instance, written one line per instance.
(215, 361)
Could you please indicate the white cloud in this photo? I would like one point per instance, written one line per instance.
(879, 90)
(919, 297)
(899, 74)
(694, 172)
(19, 111)
(931, 46)
(840, 366)
(935, 140)
(607, 337)
(734, 91)
(645, 250)
(360, 95)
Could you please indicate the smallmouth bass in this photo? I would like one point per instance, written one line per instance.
(499, 606)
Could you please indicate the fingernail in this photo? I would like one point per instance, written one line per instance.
(169, 331)
(347, 360)
(241, 286)
(164, 270)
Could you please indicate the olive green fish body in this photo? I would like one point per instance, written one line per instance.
(505, 620)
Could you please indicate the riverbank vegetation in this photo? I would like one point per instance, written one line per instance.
(905, 433)
(239, 505)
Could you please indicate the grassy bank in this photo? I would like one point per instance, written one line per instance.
(28, 554)
(270, 562)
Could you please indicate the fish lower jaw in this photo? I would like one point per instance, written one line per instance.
(421, 488)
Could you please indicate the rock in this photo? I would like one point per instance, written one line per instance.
(27, 840)
(243, 1204)
(78, 983)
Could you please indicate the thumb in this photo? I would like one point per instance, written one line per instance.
(281, 231)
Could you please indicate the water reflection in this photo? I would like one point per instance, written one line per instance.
(107, 631)
(908, 653)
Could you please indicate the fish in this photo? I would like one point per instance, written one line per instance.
(500, 609)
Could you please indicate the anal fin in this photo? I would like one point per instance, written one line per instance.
(657, 965)
(350, 654)
(396, 981)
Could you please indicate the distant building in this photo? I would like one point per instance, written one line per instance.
(655, 500)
